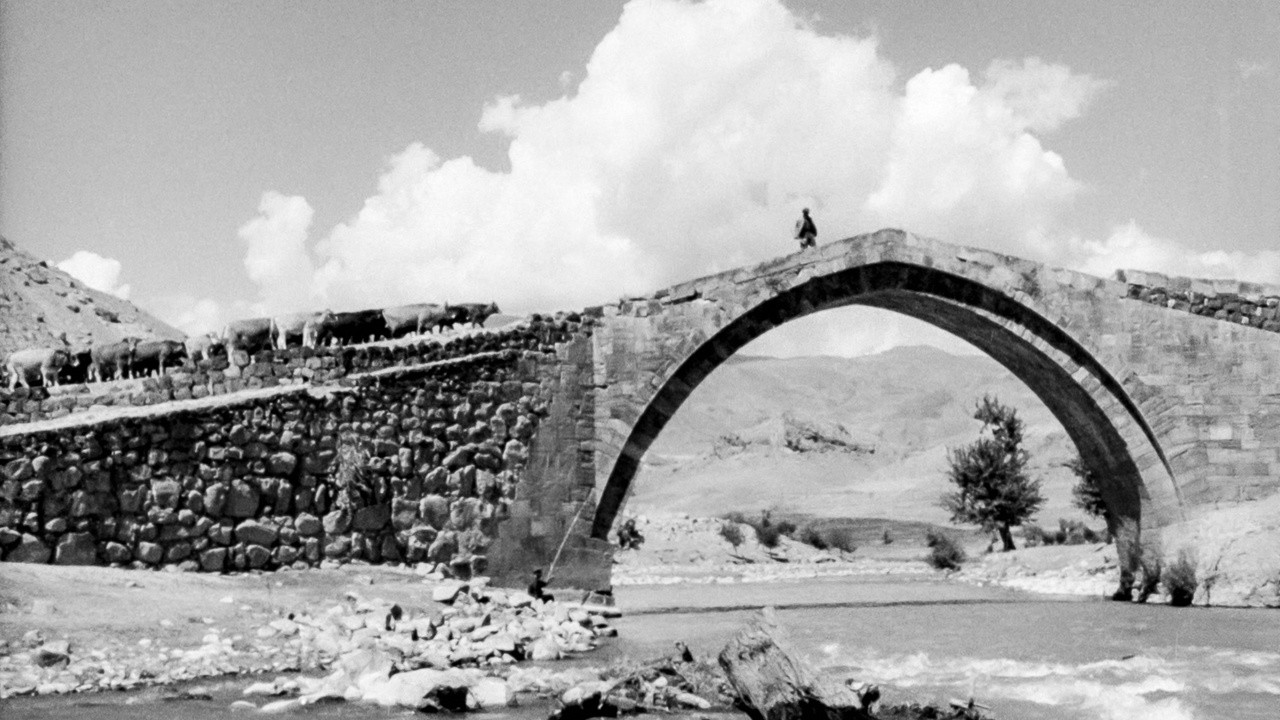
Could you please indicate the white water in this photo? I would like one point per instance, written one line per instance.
(1026, 657)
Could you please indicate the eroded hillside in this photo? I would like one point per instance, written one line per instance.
(38, 302)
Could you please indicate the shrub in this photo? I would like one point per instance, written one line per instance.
(840, 539)
(810, 535)
(944, 553)
(1179, 580)
(886, 538)
(768, 535)
(1033, 535)
(768, 532)
(731, 531)
(1075, 532)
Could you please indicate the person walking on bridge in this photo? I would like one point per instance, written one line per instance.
(806, 231)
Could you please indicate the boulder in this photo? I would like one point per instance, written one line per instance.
(282, 463)
(448, 591)
(166, 493)
(490, 693)
(372, 517)
(404, 513)
(115, 552)
(544, 648)
(214, 559)
(19, 470)
(434, 510)
(76, 549)
(443, 547)
(242, 500)
(307, 524)
(337, 522)
(150, 553)
(257, 556)
(29, 550)
(256, 532)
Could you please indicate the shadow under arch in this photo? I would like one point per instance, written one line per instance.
(1090, 403)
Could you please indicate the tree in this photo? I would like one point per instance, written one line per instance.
(990, 474)
(1086, 493)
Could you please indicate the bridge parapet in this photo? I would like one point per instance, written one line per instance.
(1243, 303)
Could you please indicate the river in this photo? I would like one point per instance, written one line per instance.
(1024, 656)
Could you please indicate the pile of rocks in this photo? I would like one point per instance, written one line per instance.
(363, 642)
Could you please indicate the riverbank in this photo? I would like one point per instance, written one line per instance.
(86, 629)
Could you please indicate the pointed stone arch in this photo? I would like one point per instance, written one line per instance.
(996, 303)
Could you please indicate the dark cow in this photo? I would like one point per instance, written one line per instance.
(477, 313)
(349, 328)
(80, 368)
(297, 326)
(112, 361)
(419, 318)
(41, 363)
(203, 347)
(157, 355)
(250, 336)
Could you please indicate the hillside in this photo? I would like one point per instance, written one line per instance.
(829, 436)
(39, 301)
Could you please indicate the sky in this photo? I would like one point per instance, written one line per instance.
(211, 160)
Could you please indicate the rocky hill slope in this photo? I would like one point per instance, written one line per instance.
(38, 302)
(829, 436)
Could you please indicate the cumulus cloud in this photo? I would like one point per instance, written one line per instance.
(1129, 247)
(97, 272)
(694, 137)
(190, 314)
(276, 257)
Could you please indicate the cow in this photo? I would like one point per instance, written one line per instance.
(420, 318)
(112, 361)
(79, 369)
(477, 313)
(156, 355)
(41, 363)
(349, 328)
(250, 336)
(294, 325)
(202, 347)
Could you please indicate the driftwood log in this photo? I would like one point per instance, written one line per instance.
(772, 682)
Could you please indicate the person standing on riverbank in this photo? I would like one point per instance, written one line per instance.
(537, 588)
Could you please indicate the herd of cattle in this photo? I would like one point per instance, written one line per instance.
(133, 357)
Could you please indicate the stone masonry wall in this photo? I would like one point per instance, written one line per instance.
(1229, 300)
(259, 483)
(269, 368)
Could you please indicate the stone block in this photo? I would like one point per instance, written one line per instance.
(76, 549)
(242, 500)
(337, 522)
(29, 549)
(150, 553)
(19, 470)
(178, 552)
(257, 556)
(213, 559)
(255, 532)
(307, 524)
(373, 517)
(116, 553)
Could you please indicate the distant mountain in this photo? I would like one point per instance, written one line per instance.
(878, 429)
(38, 302)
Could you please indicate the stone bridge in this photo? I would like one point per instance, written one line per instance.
(517, 448)
(1175, 412)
